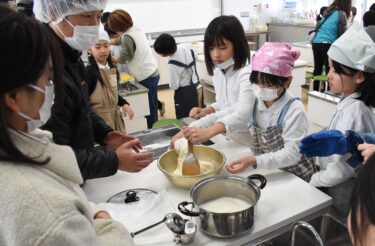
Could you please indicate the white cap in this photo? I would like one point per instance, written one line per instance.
(56, 10)
(103, 35)
(354, 49)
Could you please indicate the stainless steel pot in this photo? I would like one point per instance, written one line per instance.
(224, 225)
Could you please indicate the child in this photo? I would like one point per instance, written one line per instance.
(226, 54)
(102, 80)
(361, 221)
(278, 120)
(352, 73)
(183, 77)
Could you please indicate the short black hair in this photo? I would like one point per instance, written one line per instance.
(104, 17)
(165, 44)
(366, 89)
(354, 11)
(372, 7)
(369, 18)
(230, 28)
(257, 77)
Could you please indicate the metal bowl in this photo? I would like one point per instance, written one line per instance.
(167, 163)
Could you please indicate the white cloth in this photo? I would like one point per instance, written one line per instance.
(179, 76)
(352, 114)
(234, 99)
(44, 204)
(143, 63)
(138, 215)
(355, 49)
(295, 127)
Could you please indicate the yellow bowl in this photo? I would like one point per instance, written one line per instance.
(167, 163)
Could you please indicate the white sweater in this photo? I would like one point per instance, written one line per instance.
(44, 204)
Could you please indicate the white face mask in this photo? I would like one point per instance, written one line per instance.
(226, 64)
(265, 94)
(44, 111)
(83, 36)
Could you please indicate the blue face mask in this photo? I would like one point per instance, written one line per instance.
(44, 111)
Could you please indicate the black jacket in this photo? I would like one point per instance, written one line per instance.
(73, 122)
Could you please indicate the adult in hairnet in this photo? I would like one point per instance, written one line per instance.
(75, 24)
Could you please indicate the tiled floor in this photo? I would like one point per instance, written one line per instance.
(166, 95)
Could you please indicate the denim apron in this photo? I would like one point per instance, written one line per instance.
(271, 140)
(104, 100)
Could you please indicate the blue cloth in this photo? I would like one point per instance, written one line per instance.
(151, 83)
(328, 31)
(326, 143)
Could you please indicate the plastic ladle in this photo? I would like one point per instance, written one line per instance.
(190, 166)
(173, 221)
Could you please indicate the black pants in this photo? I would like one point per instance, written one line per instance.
(320, 58)
(185, 98)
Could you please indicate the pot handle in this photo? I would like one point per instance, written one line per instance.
(261, 178)
(182, 208)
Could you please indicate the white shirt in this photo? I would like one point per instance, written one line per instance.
(234, 99)
(295, 126)
(351, 114)
(180, 76)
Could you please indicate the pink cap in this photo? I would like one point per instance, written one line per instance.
(275, 58)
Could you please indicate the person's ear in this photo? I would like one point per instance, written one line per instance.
(359, 77)
(10, 101)
(89, 51)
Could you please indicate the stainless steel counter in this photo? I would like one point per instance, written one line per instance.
(131, 88)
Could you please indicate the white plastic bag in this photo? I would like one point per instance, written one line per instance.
(311, 36)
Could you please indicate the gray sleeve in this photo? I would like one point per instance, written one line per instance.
(75, 229)
(342, 23)
(127, 49)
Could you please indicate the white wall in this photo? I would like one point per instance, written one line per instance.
(264, 10)
(167, 15)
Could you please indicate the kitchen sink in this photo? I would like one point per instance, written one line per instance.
(331, 231)
(126, 87)
(157, 140)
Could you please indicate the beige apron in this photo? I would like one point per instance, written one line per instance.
(104, 100)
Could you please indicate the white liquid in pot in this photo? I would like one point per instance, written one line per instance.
(225, 204)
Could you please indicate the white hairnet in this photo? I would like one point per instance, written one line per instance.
(103, 35)
(355, 49)
(56, 10)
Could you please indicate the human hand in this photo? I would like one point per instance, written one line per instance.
(324, 143)
(196, 135)
(241, 164)
(102, 215)
(175, 138)
(115, 139)
(131, 161)
(128, 111)
(367, 150)
(197, 113)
